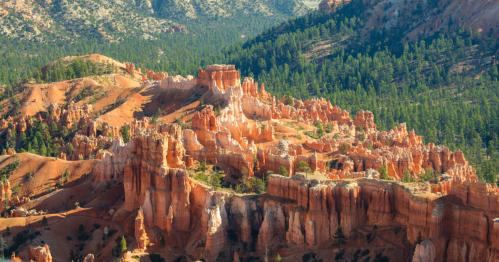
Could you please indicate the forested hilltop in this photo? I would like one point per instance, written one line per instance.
(178, 53)
(160, 35)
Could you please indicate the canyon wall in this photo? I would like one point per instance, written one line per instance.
(152, 184)
(456, 214)
(464, 228)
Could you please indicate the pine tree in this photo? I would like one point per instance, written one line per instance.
(44, 221)
(125, 133)
(283, 171)
(278, 257)
(123, 246)
(3, 246)
(43, 150)
(53, 128)
(215, 181)
(162, 241)
(64, 132)
(339, 237)
(383, 173)
(22, 140)
(56, 149)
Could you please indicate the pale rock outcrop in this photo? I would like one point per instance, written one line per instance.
(221, 76)
(241, 210)
(211, 206)
(169, 220)
(5, 194)
(295, 233)
(425, 252)
(273, 223)
(87, 147)
(329, 6)
(140, 231)
(215, 230)
(112, 162)
(89, 258)
(41, 253)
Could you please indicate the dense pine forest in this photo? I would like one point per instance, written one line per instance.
(445, 87)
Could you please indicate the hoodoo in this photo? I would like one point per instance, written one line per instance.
(247, 173)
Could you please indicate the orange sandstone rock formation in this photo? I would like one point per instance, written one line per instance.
(316, 208)
(140, 232)
(5, 194)
(219, 76)
(41, 253)
(152, 184)
(89, 258)
(454, 215)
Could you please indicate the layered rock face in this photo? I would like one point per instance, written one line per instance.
(315, 110)
(221, 76)
(158, 76)
(87, 144)
(214, 221)
(112, 162)
(317, 208)
(250, 88)
(152, 184)
(425, 252)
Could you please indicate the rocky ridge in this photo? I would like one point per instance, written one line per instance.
(312, 208)
(343, 187)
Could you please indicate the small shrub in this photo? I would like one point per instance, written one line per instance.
(221, 255)
(16, 189)
(201, 177)
(339, 256)
(306, 257)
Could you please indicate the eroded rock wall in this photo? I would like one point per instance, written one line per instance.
(319, 207)
(150, 182)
